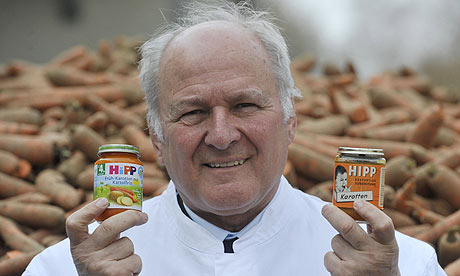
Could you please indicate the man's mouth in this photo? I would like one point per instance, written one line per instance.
(226, 164)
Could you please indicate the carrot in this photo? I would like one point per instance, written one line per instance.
(332, 125)
(399, 170)
(426, 128)
(390, 148)
(69, 56)
(152, 170)
(87, 141)
(68, 76)
(310, 163)
(444, 94)
(73, 166)
(98, 120)
(449, 159)
(9, 163)
(137, 137)
(11, 186)
(425, 215)
(403, 197)
(322, 190)
(303, 63)
(440, 228)
(33, 214)
(15, 238)
(449, 246)
(394, 132)
(395, 115)
(17, 128)
(445, 183)
(382, 97)
(23, 115)
(52, 239)
(85, 179)
(31, 197)
(52, 183)
(436, 205)
(35, 149)
(413, 230)
(358, 130)
(303, 140)
(303, 183)
(399, 219)
(342, 104)
(117, 116)
(126, 192)
(389, 197)
(453, 269)
(18, 264)
(421, 179)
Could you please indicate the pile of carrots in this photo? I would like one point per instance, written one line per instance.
(53, 118)
(416, 123)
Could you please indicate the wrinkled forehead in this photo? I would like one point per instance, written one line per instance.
(212, 47)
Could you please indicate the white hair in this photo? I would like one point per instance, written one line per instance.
(258, 22)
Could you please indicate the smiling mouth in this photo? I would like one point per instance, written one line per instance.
(226, 164)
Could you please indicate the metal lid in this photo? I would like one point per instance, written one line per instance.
(118, 148)
(360, 151)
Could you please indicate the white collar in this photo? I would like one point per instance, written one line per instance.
(220, 233)
(192, 234)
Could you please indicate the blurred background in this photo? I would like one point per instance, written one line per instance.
(374, 35)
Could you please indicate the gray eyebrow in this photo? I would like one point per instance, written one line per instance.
(197, 100)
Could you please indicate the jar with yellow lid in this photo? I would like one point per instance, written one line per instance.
(118, 176)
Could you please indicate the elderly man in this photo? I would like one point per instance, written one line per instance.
(220, 95)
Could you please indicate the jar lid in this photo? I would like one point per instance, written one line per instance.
(118, 148)
(361, 151)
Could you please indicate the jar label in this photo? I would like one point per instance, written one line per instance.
(120, 183)
(354, 181)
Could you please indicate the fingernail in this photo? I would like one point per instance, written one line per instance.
(101, 202)
(358, 204)
(144, 217)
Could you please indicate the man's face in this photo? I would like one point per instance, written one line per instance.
(341, 181)
(225, 141)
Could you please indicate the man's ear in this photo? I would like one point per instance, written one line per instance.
(157, 147)
(291, 128)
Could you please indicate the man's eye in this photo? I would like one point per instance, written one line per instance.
(192, 117)
(191, 113)
(245, 105)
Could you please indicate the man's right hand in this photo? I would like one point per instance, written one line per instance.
(103, 252)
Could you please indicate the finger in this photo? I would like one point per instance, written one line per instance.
(131, 264)
(109, 229)
(342, 248)
(332, 263)
(383, 230)
(345, 225)
(117, 250)
(77, 223)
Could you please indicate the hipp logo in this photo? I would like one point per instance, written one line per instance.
(117, 169)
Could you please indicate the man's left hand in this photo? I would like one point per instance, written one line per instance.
(356, 252)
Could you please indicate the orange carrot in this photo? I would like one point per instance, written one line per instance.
(390, 148)
(394, 132)
(450, 158)
(85, 179)
(117, 116)
(11, 186)
(355, 110)
(9, 163)
(53, 184)
(303, 140)
(403, 196)
(436, 205)
(288, 172)
(73, 166)
(395, 115)
(445, 183)
(17, 265)
(425, 215)
(18, 128)
(15, 238)
(68, 76)
(389, 197)
(152, 184)
(382, 97)
(449, 246)
(303, 63)
(426, 128)
(69, 56)
(35, 149)
(33, 214)
(31, 197)
(440, 228)
(52, 239)
(87, 140)
(332, 125)
(310, 163)
(453, 269)
(399, 170)
(137, 137)
(399, 219)
(97, 121)
(413, 230)
(23, 115)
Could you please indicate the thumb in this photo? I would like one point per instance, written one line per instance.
(77, 223)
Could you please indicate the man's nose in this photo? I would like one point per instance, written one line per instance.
(222, 131)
